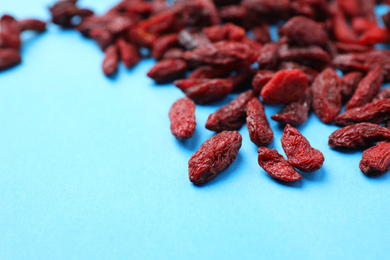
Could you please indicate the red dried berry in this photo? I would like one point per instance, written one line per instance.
(214, 156)
(367, 89)
(268, 58)
(102, 37)
(9, 25)
(362, 24)
(205, 90)
(303, 31)
(310, 73)
(259, 130)
(299, 152)
(285, 87)
(190, 40)
(232, 13)
(265, 11)
(182, 116)
(167, 70)
(350, 8)
(260, 80)
(377, 112)
(226, 54)
(383, 94)
(9, 58)
(295, 113)
(376, 160)
(358, 135)
(327, 95)
(232, 116)
(242, 79)
(110, 62)
(276, 166)
(129, 53)
(223, 32)
(349, 84)
(375, 35)
(312, 56)
(341, 30)
(261, 34)
(343, 47)
(32, 25)
(208, 72)
(162, 44)
(141, 37)
(174, 53)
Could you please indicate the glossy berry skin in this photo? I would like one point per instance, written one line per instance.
(259, 130)
(232, 116)
(376, 112)
(182, 117)
(299, 152)
(276, 166)
(110, 62)
(261, 79)
(327, 95)
(214, 155)
(358, 135)
(349, 83)
(129, 53)
(376, 160)
(285, 87)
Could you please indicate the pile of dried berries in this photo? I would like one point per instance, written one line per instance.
(228, 49)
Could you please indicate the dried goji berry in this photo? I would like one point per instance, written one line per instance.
(174, 53)
(312, 56)
(227, 54)
(361, 25)
(376, 160)
(102, 37)
(227, 31)
(343, 47)
(260, 79)
(32, 25)
(191, 40)
(233, 13)
(310, 73)
(129, 53)
(285, 87)
(110, 62)
(299, 152)
(232, 116)
(367, 88)
(358, 135)
(242, 79)
(205, 90)
(9, 58)
(276, 166)
(350, 7)
(383, 94)
(208, 72)
(349, 83)
(265, 11)
(377, 112)
(261, 34)
(259, 130)
(268, 58)
(167, 70)
(214, 155)
(303, 31)
(327, 95)
(341, 30)
(182, 116)
(375, 35)
(162, 44)
(296, 112)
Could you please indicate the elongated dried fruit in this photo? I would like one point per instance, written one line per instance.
(227, 54)
(311, 74)
(285, 87)
(377, 112)
(261, 34)
(276, 166)
(110, 62)
(299, 152)
(261, 79)
(303, 31)
(232, 116)
(349, 83)
(268, 58)
(358, 135)
(205, 90)
(9, 58)
(312, 56)
(259, 130)
(382, 94)
(208, 72)
(367, 88)
(296, 112)
(32, 25)
(129, 53)
(167, 70)
(162, 44)
(376, 160)
(182, 116)
(327, 95)
(214, 155)
(341, 30)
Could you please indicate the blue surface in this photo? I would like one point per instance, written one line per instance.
(90, 170)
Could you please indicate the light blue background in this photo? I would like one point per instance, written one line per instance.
(90, 170)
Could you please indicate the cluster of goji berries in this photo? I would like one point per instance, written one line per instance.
(228, 49)
(10, 42)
